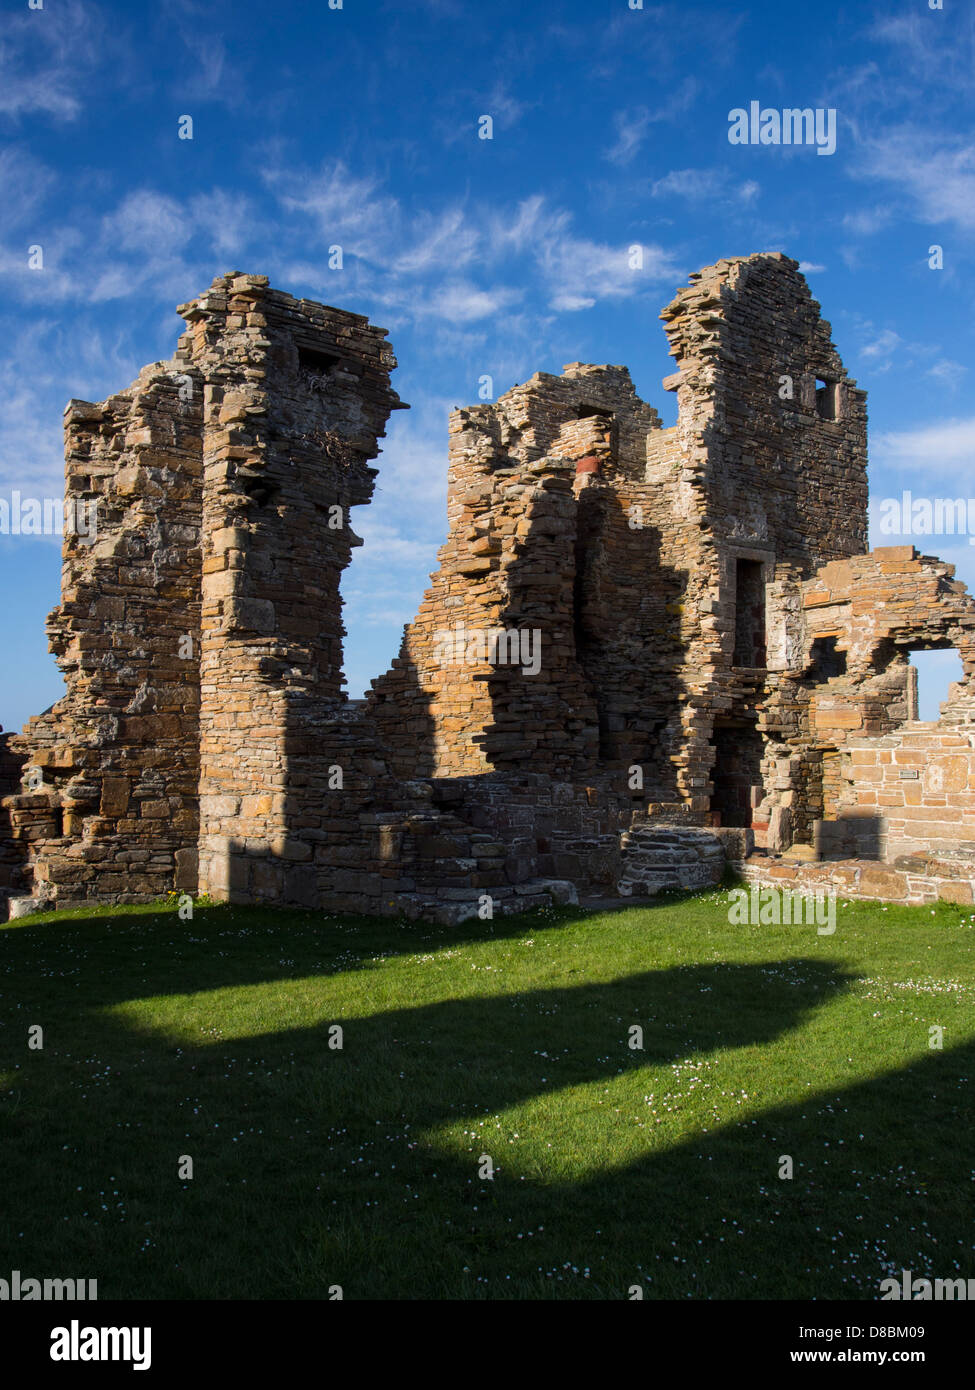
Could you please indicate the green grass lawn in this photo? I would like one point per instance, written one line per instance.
(359, 1167)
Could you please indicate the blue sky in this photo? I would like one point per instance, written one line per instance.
(359, 127)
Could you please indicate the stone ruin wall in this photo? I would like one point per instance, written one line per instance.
(295, 399)
(539, 487)
(775, 484)
(205, 742)
(863, 778)
(109, 803)
(11, 851)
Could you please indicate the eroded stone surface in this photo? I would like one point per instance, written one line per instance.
(645, 650)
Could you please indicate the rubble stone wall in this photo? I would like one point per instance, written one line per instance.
(12, 852)
(108, 810)
(644, 648)
(532, 493)
(295, 398)
(855, 623)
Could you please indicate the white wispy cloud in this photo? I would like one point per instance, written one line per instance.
(704, 185)
(430, 246)
(580, 271)
(633, 126)
(462, 302)
(867, 221)
(504, 108)
(45, 365)
(930, 50)
(694, 184)
(883, 345)
(227, 221)
(149, 223)
(438, 239)
(631, 131)
(947, 372)
(461, 262)
(935, 172)
(48, 58)
(412, 484)
(26, 183)
(348, 210)
(884, 349)
(944, 447)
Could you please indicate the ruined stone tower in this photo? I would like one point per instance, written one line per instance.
(295, 397)
(643, 556)
(645, 649)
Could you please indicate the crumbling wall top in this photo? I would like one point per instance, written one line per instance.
(304, 360)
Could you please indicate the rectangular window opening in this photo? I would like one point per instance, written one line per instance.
(749, 614)
(318, 363)
(827, 393)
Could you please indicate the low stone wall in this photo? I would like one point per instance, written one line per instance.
(549, 828)
(909, 792)
(659, 857)
(910, 880)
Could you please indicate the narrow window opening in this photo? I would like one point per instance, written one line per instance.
(258, 487)
(749, 614)
(826, 398)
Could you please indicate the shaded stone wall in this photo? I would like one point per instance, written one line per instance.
(295, 398)
(13, 853)
(518, 560)
(108, 810)
(586, 546)
(641, 644)
(636, 672)
(750, 346)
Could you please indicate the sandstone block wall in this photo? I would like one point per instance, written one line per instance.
(109, 810)
(912, 880)
(906, 793)
(644, 648)
(854, 625)
(295, 399)
(12, 852)
(532, 490)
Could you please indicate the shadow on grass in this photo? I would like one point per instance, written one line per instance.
(228, 945)
(314, 1166)
(224, 946)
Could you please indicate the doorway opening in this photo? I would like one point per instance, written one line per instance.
(737, 772)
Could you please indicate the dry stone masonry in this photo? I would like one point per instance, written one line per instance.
(646, 651)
